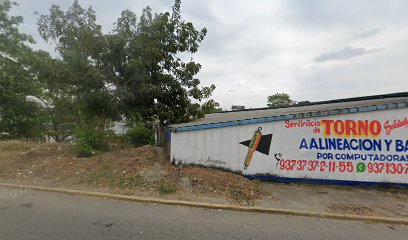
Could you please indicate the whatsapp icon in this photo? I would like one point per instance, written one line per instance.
(361, 167)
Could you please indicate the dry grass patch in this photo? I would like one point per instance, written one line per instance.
(125, 171)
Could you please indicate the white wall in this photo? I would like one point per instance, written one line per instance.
(119, 128)
(221, 147)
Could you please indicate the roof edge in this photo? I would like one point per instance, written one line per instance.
(352, 99)
(292, 116)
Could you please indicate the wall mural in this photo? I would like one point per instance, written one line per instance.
(369, 147)
(373, 149)
(258, 142)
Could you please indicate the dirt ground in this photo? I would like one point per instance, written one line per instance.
(144, 171)
(131, 171)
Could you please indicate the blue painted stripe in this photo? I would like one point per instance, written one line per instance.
(363, 109)
(401, 105)
(322, 181)
(292, 116)
(382, 107)
(344, 111)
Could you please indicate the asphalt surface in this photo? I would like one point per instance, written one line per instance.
(28, 214)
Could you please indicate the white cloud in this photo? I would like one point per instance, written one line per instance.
(370, 33)
(257, 48)
(344, 54)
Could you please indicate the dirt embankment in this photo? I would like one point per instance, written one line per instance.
(131, 171)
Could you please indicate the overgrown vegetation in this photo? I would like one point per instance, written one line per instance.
(19, 118)
(16, 145)
(139, 136)
(166, 188)
(90, 140)
(143, 171)
(133, 73)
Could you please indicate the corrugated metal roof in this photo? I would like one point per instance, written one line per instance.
(312, 108)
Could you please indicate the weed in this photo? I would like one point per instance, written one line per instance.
(15, 145)
(89, 141)
(166, 188)
(102, 175)
(105, 175)
(131, 182)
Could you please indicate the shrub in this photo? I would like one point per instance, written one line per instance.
(115, 142)
(139, 136)
(89, 141)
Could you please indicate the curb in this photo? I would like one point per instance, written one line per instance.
(282, 211)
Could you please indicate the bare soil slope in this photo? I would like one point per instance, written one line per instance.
(140, 171)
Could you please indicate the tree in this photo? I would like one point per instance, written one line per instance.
(136, 70)
(279, 100)
(80, 44)
(18, 117)
(211, 106)
(57, 97)
(303, 103)
(150, 77)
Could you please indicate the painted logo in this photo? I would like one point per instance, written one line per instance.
(258, 142)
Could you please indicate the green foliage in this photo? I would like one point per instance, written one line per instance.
(134, 70)
(303, 103)
(58, 96)
(90, 140)
(139, 136)
(80, 44)
(211, 106)
(23, 120)
(156, 69)
(283, 100)
(279, 100)
(12, 41)
(19, 118)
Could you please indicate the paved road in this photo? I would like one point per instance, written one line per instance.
(41, 215)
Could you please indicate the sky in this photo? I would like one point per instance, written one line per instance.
(313, 50)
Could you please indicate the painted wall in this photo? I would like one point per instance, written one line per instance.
(369, 147)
